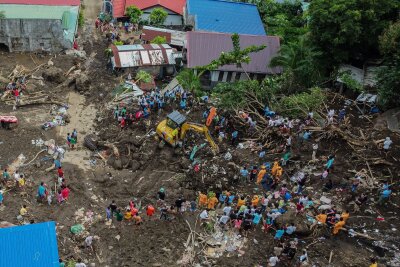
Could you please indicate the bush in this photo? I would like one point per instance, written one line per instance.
(134, 13)
(81, 18)
(158, 16)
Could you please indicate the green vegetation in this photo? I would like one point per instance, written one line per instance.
(118, 42)
(81, 18)
(158, 16)
(352, 84)
(134, 14)
(159, 40)
(389, 75)
(189, 80)
(2, 15)
(143, 76)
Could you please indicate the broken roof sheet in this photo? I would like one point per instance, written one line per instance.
(126, 56)
(178, 38)
(203, 47)
(225, 16)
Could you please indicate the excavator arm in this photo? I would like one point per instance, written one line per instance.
(200, 129)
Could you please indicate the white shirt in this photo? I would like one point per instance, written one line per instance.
(16, 176)
(315, 146)
(265, 201)
(303, 258)
(289, 141)
(224, 219)
(227, 210)
(273, 261)
(88, 241)
(80, 264)
(204, 215)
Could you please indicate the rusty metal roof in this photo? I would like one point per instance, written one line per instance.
(203, 47)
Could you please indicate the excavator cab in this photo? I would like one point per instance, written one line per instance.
(168, 130)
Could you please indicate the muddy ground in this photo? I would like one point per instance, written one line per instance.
(95, 183)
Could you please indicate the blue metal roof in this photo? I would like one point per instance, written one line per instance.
(33, 245)
(226, 17)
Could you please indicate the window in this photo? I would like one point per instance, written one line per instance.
(229, 77)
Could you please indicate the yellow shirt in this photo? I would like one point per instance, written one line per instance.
(374, 265)
(23, 211)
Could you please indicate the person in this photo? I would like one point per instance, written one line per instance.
(60, 172)
(79, 263)
(374, 263)
(1, 196)
(235, 134)
(279, 233)
(23, 211)
(223, 220)
(161, 194)
(128, 215)
(314, 152)
(329, 163)
(264, 203)
(261, 174)
(386, 144)
(241, 202)
(273, 261)
(227, 209)
(119, 215)
(150, 210)
(6, 176)
(61, 263)
(338, 226)
(204, 215)
(178, 203)
(355, 184)
(384, 197)
(307, 135)
(324, 175)
(75, 134)
(113, 207)
(290, 229)
(69, 140)
(345, 215)
(321, 218)
(253, 173)
(212, 201)
(255, 200)
(42, 191)
(193, 206)
(108, 213)
(65, 192)
(202, 200)
(303, 259)
(244, 173)
(73, 142)
(257, 217)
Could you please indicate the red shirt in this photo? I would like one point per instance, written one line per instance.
(65, 193)
(60, 173)
(16, 92)
(150, 210)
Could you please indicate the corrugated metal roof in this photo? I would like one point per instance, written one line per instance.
(225, 16)
(36, 11)
(43, 2)
(126, 56)
(178, 38)
(33, 245)
(119, 6)
(203, 47)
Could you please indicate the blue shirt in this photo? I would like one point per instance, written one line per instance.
(244, 172)
(222, 198)
(386, 193)
(329, 163)
(57, 163)
(306, 135)
(256, 218)
(279, 234)
(235, 134)
(41, 191)
(231, 198)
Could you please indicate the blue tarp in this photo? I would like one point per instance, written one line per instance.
(226, 17)
(33, 245)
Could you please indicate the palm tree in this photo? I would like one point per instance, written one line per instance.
(299, 58)
(188, 79)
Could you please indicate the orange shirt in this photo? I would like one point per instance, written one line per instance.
(321, 218)
(240, 202)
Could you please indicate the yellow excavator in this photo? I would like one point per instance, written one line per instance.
(173, 130)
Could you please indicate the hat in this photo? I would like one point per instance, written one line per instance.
(263, 167)
(162, 189)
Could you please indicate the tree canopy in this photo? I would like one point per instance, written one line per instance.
(158, 16)
(134, 14)
(348, 30)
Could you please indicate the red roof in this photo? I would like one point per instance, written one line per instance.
(43, 2)
(119, 6)
(149, 35)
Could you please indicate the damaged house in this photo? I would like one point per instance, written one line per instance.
(37, 25)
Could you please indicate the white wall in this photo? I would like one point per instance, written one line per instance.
(172, 19)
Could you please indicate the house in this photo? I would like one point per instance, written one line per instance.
(203, 47)
(33, 245)
(32, 25)
(174, 8)
(156, 59)
(224, 16)
(175, 38)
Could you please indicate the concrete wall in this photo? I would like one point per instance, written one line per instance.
(172, 19)
(33, 35)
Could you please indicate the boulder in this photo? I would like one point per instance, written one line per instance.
(82, 83)
(135, 165)
(54, 74)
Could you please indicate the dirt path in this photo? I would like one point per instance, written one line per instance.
(82, 119)
(92, 9)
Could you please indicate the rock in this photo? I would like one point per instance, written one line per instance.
(54, 74)
(82, 83)
(135, 165)
(325, 200)
(76, 53)
(118, 237)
